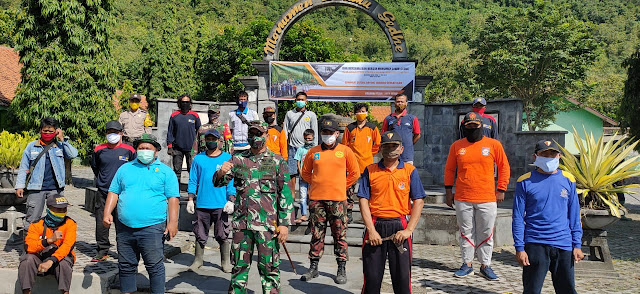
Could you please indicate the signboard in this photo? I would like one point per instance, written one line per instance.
(348, 81)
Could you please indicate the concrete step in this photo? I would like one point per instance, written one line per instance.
(300, 244)
(353, 230)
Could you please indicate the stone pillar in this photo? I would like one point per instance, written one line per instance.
(257, 87)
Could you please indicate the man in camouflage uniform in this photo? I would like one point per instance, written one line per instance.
(227, 143)
(263, 206)
(134, 121)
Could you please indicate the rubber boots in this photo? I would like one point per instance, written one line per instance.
(341, 276)
(312, 273)
(197, 261)
(225, 256)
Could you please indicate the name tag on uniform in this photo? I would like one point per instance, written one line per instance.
(192, 121)
(316, 156)
(123, 158)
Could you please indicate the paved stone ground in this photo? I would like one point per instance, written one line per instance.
(433, 266)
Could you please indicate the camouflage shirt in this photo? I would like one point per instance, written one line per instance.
(199, 145)
(262, 195)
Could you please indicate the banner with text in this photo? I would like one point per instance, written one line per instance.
(347, 81)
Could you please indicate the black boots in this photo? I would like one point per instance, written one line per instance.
(312, 273)
(341, 276)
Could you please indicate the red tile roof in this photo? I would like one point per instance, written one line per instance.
(9, 74)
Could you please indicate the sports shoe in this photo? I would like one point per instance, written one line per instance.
(488, 274)
(464, 271)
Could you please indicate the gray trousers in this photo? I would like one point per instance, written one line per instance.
(28, 269)
(35, 205)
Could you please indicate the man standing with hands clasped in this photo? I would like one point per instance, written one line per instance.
(546, 222)
(473, 158)
(387, 189)
(263, 209)
(141, 190)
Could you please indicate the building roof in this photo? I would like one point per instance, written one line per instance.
(605, 118)
(9, 74)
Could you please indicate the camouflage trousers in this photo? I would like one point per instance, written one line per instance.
(268, 260)
(352, 196)
(322, 212)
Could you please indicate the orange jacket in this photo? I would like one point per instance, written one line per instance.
(365, 142)
(36, 244)
(277, 141)
(474, 163)
(330, 172)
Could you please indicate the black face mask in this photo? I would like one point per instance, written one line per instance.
(269, 119)
(473, 135)
(212, 145)
(185, 106)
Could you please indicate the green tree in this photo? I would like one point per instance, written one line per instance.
(7, 26)
(68, 71)
(630, 106)
(534, 54)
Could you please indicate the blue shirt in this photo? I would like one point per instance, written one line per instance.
(300, 154)
(546, 210)
(143, 191)
(201, 181)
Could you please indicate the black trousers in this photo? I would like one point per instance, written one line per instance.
(177, 161)
(374, 258)
(544, 258)
(102, 232)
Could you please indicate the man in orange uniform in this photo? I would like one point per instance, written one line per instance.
(386, 191)
(476, 197)
(329, 168)
(49, 244)
(363, 138)
(276, 138)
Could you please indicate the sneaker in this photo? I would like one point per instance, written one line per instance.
(488, 274)
(98, 259)
(464, 271)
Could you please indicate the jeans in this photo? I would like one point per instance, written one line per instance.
(35, 205)
(543, 258)
(291, 161)
(133, 243)
(304, 207)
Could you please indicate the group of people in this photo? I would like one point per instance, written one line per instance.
(242, 177)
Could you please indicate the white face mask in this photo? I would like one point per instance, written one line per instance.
(547, 164)
(328, 139)
(113, 138)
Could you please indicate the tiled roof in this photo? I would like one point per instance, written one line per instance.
(9, 74)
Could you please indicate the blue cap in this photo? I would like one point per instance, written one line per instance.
(480, 100)
(213, 132)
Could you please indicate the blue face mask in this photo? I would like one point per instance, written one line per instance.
(300, 104)
(145, 156)
(547, 164)
(243, 104)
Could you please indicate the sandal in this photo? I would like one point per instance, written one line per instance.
(302, 219)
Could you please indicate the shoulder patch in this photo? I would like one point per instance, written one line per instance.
(569, 176)
(175, 113)
(277, 127)
(524, 177)
(352, 126)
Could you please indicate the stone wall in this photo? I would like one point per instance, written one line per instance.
(439, 127)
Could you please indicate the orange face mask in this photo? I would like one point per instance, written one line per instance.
(361, 116)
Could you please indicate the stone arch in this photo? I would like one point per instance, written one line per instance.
(384, 18)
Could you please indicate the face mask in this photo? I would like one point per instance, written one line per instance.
(113, 138)
(308, 144)
(361, 116)
(185, 106)
(300, 104)
(145, 156)
(328, 139)
(547, 164)
(54, 219)
(243, 104)
(212, 145)
(257, 142)
(213, 116)
(400, 108)
(269, 119)
(47, 137)
(134, 105)
(479, 110)
(391, 153)
(473, 135)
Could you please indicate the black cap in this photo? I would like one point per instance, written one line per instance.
(113, 125)
(147, 138)
(472, 117)
(544, 145)
(135, 96)
(390, 137)
(329, 124)
(57, 201)
(212, 132)
(258, 125)
(480, 100)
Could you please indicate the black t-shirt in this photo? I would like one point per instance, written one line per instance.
(49, 180)
(105, 162)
